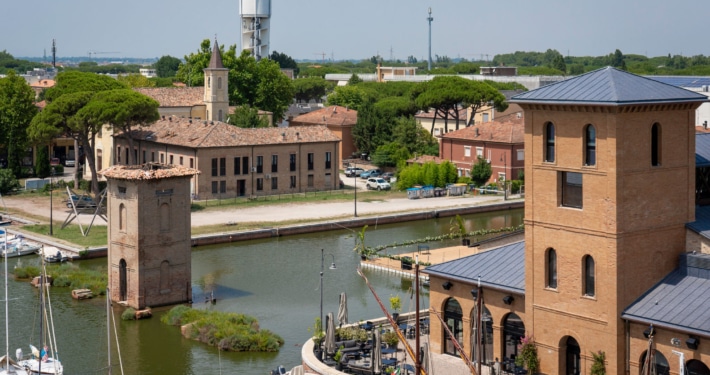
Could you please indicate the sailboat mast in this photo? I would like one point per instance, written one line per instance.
(7, 313)
(108, 327)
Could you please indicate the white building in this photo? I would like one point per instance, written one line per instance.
(256, 18)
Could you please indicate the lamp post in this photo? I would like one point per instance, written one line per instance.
(51, 230)
(332, 267)
(355, 181)
(505, 173)
(430, 18)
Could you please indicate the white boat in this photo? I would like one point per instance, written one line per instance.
(7, 365)
(45, 361)
(19, 247)
(51, 254)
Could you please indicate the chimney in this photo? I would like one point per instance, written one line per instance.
(335, 109)
(163, 117)
(477, 133)
(298, 135)
(170, 118)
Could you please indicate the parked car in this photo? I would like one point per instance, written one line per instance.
(377, 183)
(387, 176)
(371, 173)
(353, 171)
(70, 163)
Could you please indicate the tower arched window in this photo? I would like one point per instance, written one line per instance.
(656, 145)
(219, 116)
(588, 278)
(551, 269)
(550, 142)
(209, 82)
(122, 217)
(164, 217)
(219, 83)
(590, 145)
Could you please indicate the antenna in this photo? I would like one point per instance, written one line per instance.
(54, 53)
(430, 18)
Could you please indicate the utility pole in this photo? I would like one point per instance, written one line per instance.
(430, 18)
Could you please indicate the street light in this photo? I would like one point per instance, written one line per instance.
(355, 179)
(332, 267)
(51, 231)
(505, 174)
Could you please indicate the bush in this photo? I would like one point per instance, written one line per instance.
(128, 314)
(515, 186)
(8, 182)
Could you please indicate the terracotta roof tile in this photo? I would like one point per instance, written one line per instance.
(462, 114)
(174, 96)
(149, 171)
(505, 129)
(334, 115)
(43, 83)
(197, 133)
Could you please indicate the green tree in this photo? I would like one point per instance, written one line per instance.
(191, 71)
(167, 66)
(354, 79)
(42, 167)
(390, 154)
(247, 117)
(353, 97)
(135, 80)
(8, 182)
(481, 172)
(285, 62)
(16, 112)
(446, 94)
(310, 88)
(431, 174)
(417, 140)
(123, 110)
(448, 174)
(274, 91)
(409, 176)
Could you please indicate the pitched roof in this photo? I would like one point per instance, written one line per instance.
(196, 134)
(216, 58)
(334, 115)
(508, 129)
(174, 96)
(149, 171)
(608, 86)
(679, 301)
(502, 268)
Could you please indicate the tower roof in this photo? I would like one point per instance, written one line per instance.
(149, 171)
(608, 86)
(216, 59)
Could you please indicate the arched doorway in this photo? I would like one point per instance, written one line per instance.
(572, 357)
(123, 280)
(658, 364)
(695, 367)
(453, 316)
(513, 331)
(486, 338)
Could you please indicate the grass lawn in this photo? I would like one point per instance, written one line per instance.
(72, 234)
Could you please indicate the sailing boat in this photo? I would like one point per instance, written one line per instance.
(7, 365)
(44, 361)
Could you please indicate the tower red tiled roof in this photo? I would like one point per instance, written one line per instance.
(174, 96)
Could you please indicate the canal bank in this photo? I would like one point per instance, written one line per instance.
(296, 229)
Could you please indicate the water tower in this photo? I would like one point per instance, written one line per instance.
(256, 19)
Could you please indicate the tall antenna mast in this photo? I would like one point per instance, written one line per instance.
(54, 53)
(430, 18)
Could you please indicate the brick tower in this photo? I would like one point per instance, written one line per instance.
(149, 234)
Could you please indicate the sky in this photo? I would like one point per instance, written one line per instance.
(359, 29)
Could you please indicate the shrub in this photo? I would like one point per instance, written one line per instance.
(598, 366)
(527, 355)
(128, 314)
(515, 186)
(8, 182)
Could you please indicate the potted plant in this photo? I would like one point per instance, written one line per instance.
(458, 227)
(395, 304)
(318, 336)
(390, 338)
(527, 355)
(360, 247)
(337, 357)
(598, 363)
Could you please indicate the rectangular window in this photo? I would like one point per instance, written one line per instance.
(327, 160)
(171, 159)
(521, 155)
(259, 184)
(310, 180)
(245, 165)
(501, 176)
(192, 163)
(293, 182)
(485, 117)
(237, 166)
(118, 154)
(259, 164)
(437, 131)
(467, 151)
(215, 166)
(274, 183)
(135, 156)
(479, 152)
(162, 158)
(127, 154)
(181, 160)
(152, 156)
(222, 166)
(274, 163)
(223, 187)
(143, 156)
(571, 189)
(292, 162)
(311, 161)
(215, 187)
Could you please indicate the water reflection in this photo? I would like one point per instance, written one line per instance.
(276, 280)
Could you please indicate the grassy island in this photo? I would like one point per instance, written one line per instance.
(67, 275)
(227, 331)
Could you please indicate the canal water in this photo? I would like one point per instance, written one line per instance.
(276, 280)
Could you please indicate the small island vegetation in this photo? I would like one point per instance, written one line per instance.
(66, 275)
(227, 331)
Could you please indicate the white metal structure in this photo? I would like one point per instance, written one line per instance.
(256, 19)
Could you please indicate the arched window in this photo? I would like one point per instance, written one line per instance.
(513, 331)
(209, 82)
(551, 269)
(590, 145)
(657, 363)
(164, 276)
(122, 217)
(453, 316)
(696, 367)
(572, 356)
(123, 280)
(550, 142)
(219, 116)
(164, 217)
(588, 276)
(486, 338)
(219, 82)
(656, 145)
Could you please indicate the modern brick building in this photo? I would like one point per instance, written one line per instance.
(149, 234)
(612, 260)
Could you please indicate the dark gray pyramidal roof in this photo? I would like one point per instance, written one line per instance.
(216, 59)
(608, 86)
